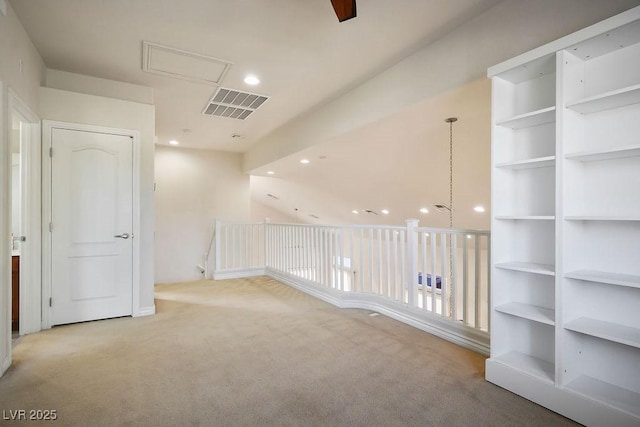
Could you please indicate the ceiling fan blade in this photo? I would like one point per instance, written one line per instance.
(345, 9)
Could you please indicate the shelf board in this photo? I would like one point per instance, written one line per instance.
(530, 312)
(605, 154)
(608, 393)
(601, 218)
(531, 365)
(605, 277)
(539, 162)
(527, 217)
(533, 118)
(606, 331)
(607, 101)
(528, 267)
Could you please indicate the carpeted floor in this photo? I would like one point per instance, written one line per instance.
(254, 352)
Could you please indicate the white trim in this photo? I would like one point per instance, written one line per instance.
(30, 212)
(6, 362)
(47, 129)
(238, 274)
(5, 254)
(145, 311)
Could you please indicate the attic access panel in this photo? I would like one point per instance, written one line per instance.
(233, 103)
(181, 64)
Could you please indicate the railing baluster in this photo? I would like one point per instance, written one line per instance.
(387, 292)
(465, 281)
(423, 269)
(454, 275)
(488, 288)
(403, 271)
(443, 269)
(477, 280)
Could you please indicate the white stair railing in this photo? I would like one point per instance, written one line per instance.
(423, 276)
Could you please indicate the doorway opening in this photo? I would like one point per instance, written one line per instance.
(25, 143)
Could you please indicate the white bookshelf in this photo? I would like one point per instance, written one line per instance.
(528, 311)
(592, 388)
(527, 267)
(531, 366)
(605, 154)
(540, 162)
(609, 278)
(606, 330)
(529, 119)
(565, 328)
(527, 217)
(607, 101)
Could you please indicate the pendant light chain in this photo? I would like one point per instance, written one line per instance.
(451, 121)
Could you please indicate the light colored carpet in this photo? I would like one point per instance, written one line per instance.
(255, 352)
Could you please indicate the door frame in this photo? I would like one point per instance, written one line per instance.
(5, 254)
(47, 130)
(30, 214)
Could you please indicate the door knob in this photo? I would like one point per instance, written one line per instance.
(122, 236)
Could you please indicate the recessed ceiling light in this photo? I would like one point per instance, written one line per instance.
(305, 161)
(468, 236)
(252, 80)
(271, 173)
(355, 211)
(479, 209)
(424, 210)
(385, 211)
(173, 142)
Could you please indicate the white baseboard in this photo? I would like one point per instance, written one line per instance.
(238, 274)
(454, 332)
(145, 311)
(6, 362)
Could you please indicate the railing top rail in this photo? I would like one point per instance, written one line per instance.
(346, 227)
(367, 227)
(222, 222)
(453, 231)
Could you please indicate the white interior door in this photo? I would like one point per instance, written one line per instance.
(91, 226)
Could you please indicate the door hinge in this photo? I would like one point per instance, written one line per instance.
(50, 227)
(50, 302)
(50, 151)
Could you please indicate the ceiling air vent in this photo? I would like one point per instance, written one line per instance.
(233, 104)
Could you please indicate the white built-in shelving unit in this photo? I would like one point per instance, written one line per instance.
(565, 294)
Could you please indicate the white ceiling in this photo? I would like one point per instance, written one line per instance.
(304, 58)
(300, 51)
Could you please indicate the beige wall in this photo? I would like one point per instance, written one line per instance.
(260, 211)
(60, 105)
(193, 189)
(22, 72)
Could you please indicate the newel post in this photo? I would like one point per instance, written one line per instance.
(412, 260)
